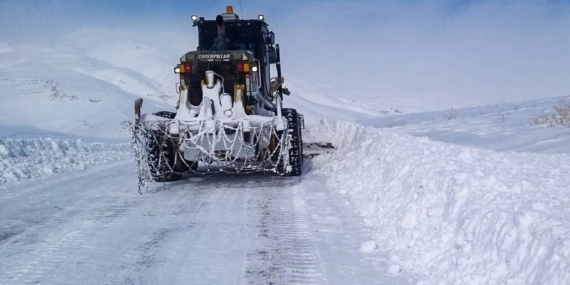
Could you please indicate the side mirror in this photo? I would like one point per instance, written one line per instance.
(270, 38)
(272, 54)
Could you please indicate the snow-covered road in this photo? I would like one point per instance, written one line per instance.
(92, 227)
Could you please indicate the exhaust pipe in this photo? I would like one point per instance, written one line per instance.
(138, 106)
(221, 32)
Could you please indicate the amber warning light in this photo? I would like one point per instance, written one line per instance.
(181, 68)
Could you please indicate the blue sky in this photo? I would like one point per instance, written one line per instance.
(139, 8)
(64, 14)
(478, 50)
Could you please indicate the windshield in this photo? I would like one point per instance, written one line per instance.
(237, 37)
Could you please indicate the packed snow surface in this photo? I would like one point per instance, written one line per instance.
(92, 227)
(454, 214)
(22, 159)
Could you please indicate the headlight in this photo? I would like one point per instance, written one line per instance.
(254, 68)
(177, 70)
(194, 18)
(261, 17)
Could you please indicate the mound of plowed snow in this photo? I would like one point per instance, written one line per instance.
(454, 214)
(33, 158)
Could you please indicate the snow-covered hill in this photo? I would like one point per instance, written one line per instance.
(67, 90)
(84, 88)
(501, 127)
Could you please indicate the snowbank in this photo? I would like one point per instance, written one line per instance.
(32, 158)
(455, 214)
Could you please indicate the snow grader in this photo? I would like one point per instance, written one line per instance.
(230, 115)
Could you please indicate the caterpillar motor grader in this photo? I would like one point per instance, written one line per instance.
(229, 116)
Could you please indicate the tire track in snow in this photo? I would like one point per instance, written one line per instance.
(203, 245)
(59, 235)
(286, 253)
(163, 221)
(340, 237)
(94, 228)
(56, 254)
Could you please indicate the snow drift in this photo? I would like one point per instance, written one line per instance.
(454, 214)
(33, 158)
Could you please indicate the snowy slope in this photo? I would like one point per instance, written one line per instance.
(503, 127)
(329, 96)
(454, 214)
(62, 90)
(54, 94)
(86, 88)
(143, 59)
